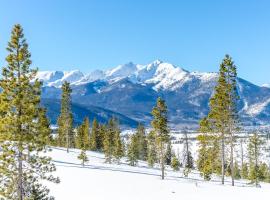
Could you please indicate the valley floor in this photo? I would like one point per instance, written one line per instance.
(101, 181)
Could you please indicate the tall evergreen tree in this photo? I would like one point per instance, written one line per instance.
(108, 142)
(142, 142)
(254, 151)
(94, 136)
(24, 129)
(187, 156)
(169, 153)
(101, 135)
(82, 136)
(222, 119)
(118, 151)
(151, 149)
(161, 129)
(133, 150)
(65, 120)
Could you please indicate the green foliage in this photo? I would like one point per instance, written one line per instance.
(169, 153)
(161, 129)
(133, 150)
(175, 164)
(244, 171)
(94, 136)
(142, 142)
(254, 152)
(151, 149)
(222, 119)
(65, 120)
(112, 144)
(118, 152)
(83, 157)
(82, 136)
(137, 148)
(24, 128)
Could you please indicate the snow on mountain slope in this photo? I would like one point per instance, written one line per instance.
(49, 76)
(161, 75)
(257, 108)
(266, 85)
(101, 181)
(121, 71)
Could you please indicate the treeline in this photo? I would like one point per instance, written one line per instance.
(154, 147)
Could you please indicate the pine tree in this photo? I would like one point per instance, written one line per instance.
(82, 136)
(101, 135)
(254, 151)
(244, 171)
(109, 140)
(65, 121)
(188, 163)
(237, 171)
(118, 151)
(222, 118)
(142, 142)
(83, 157)
(94, 136)
(133, 150)
(169, 153)
(151, 149)
(175, 164)
(161, 129)
(24, 129)
(208, 152)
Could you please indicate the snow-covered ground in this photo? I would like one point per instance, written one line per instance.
(101, 181)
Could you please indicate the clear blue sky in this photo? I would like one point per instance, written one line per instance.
(97, 34)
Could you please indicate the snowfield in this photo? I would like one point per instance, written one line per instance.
(101, 181)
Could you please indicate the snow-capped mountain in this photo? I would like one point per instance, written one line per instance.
(132, 89)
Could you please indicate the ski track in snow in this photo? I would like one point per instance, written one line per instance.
(102, 181)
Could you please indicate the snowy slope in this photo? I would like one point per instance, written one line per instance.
(100, 181)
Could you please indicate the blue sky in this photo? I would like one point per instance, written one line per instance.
(97, 34)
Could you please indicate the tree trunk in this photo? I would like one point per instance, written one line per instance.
(256, 163)
(232, 162)
(20, 182)
(242, 157)
(162, 162)
(222, 159)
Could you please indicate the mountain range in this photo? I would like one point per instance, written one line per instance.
(129, 93)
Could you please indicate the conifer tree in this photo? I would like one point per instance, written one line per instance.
(169, 153)
(118, 151)
(175, 163)
(24, 129)
(65, 120)
(244, 171)
(161, 129)
(83, 157)
(151, 149)
(254, 151)
(222, 118)
(82, 136)
(142, 142)
(94, 136)
(188, 163)
(133, 150)
(101, 135)
(109, 138)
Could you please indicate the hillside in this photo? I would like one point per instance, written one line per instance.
(101, 181)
